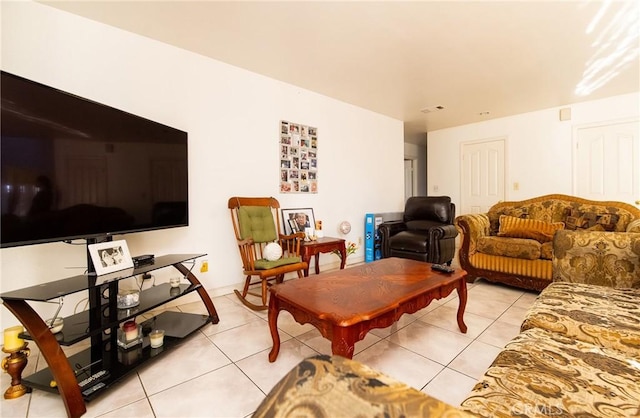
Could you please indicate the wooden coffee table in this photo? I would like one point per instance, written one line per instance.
(346, 304)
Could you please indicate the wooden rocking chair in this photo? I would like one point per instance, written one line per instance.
(256, 223)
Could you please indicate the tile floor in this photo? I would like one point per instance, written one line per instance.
(223, 370)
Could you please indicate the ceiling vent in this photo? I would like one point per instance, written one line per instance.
(431, 109)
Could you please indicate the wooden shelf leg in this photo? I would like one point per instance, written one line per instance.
(201, 291)
(59, 366)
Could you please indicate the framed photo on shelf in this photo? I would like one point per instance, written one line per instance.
(296, 220)
(111, 256)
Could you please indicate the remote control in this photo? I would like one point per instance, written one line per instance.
(443, 268)
(93, 388)
(97, 375)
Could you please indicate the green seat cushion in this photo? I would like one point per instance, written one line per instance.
(264, 264)
(257, 222)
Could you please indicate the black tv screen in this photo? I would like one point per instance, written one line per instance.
(73, 168)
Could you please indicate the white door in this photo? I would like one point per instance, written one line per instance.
(408, 179)
(482, 175)
(608, 162)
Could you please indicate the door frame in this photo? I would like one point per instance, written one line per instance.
(414, 176)
(574, 144)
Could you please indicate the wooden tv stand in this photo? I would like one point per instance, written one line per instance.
(100, 323)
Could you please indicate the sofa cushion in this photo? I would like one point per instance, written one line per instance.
(595, 314)
(594, 221)
(414, 241)
(264, 264)
(527, 249)
(546, 251)
(528, 228)
(494, 216)
(257, 222)
(541, 373)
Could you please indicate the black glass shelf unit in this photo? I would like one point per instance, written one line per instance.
(104, 362)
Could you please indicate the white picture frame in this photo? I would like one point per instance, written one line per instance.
(111, 256)
(289, 220)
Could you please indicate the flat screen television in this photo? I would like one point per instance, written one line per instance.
(72, 168)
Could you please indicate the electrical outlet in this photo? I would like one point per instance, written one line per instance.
(516, 186)
(204, 267)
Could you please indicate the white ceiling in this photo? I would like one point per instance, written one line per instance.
(396, 58)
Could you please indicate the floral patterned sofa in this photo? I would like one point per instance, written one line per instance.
(511, 243)
(578, 353)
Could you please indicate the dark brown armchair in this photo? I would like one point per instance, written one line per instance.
(425, 233)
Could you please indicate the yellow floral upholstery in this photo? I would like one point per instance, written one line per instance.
(600, 258)
(546, 251)
(333, 386)
(482, 259)
(543, 374)
(510, 247)
(577, 355)
(597, 315)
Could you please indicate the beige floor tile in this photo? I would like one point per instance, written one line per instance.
(195, 357)
(496, 292)
(139, 409)
(265, 375)
(230, 318)
(475, 359)
(246, 340)
(14, 408)
(121, 395)
(225, 392)
(401, 364)
(483, 306)
(43, 404)
(431, 342)
(527, 299)
(514, 315)
(450, 386)
(499, 334)
(446, 317)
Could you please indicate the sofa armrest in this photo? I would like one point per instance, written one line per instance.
(471, 228)
(594, 257)
(333, 386)
(634, 226)
(386, 230)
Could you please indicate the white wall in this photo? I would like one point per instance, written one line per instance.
(538, 149)
(232, 117)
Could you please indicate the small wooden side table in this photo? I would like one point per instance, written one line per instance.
(322, 245)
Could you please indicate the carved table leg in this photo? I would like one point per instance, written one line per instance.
(462, 295)
(274, 310)
(342, 342)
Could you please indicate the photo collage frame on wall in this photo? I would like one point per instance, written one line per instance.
(298, 158)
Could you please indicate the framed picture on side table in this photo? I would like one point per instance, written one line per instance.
(302, 218)
(111, 256)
